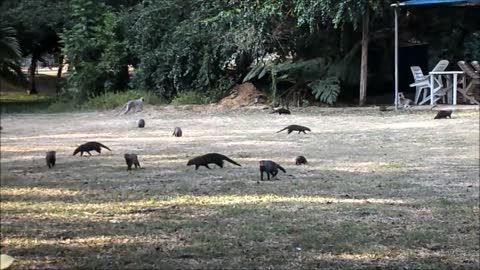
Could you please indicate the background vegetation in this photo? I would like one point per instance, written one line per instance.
(297, 50)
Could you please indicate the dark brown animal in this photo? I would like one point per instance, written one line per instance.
(177, 132)
(300, 160)
(50, 158)
(210, 158)
(141, 123)
(90, 146)
(269, 167)
(281, 111)
(295, 128)
(444, 114)
(131, 159)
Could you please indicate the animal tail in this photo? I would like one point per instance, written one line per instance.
(231, 161)
(282, 129)
(104, 146)
(76, 151)
(281, 169)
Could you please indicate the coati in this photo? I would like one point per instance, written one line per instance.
(136, 103)
(141, 123)
(444, 114)
(260, 99)
(269, 167)
(209, 158)
(177, 132)
(90, 146)
(404, 102)
(300, 160)
(281, 111)
(50, 158)
(131, 159)
(295, 128)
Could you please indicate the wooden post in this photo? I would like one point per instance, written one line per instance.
(364, 65)
(31, 74)
(59, 75)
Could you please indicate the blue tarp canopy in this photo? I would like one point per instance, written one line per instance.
(438, 2)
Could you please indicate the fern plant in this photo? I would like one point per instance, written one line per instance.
(326, 90)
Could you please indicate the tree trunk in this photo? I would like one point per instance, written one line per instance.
(364, 66)
(59, 75)
(31, 75)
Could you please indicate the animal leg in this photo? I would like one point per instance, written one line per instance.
(196, 167)
(268, 176)
(219, 164)
(290, 131)
(89, 153)
(261, 175)
(206, 165)
(304, 132)
(299, 131)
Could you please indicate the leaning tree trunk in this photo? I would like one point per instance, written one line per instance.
(31, 75)
(59, 75)
(364, 66)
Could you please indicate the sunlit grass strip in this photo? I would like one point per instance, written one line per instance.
(119, 207)
(37, 191)
(100, 240)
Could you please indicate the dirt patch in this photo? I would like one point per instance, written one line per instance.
(242, 95)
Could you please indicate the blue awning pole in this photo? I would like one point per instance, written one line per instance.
(396, 57)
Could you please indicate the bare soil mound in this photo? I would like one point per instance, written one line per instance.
(242, 95)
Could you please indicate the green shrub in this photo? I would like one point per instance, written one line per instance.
(189, 97)
(113, 100)
(103, 102)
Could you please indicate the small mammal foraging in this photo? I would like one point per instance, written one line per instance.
(295, 128)
(269, 167)
(210, 158)
(90, 146)
(51, 159)
(131, 159)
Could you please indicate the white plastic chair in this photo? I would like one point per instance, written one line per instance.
(437, 89)
(421, 83)
(476, 66)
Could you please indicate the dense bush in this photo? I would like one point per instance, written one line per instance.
(107, 101)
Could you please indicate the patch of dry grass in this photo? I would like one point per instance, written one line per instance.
(392, 191)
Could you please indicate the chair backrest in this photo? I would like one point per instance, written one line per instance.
(468, 70)
(417, 73)
(476, 66)
(441, 65)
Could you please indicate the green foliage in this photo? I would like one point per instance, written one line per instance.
(107, 101)
(189, 97)
(176, 48)
(95, 52)
(326, 90)
(472, 46)
(10, 55)
(114, 100)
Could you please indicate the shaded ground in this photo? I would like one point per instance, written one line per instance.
(385, 190)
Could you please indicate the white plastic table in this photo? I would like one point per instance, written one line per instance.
(454, 85)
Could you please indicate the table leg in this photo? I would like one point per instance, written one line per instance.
(455, 89)
(431, 89)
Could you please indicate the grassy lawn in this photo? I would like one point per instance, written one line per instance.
(381, 191)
